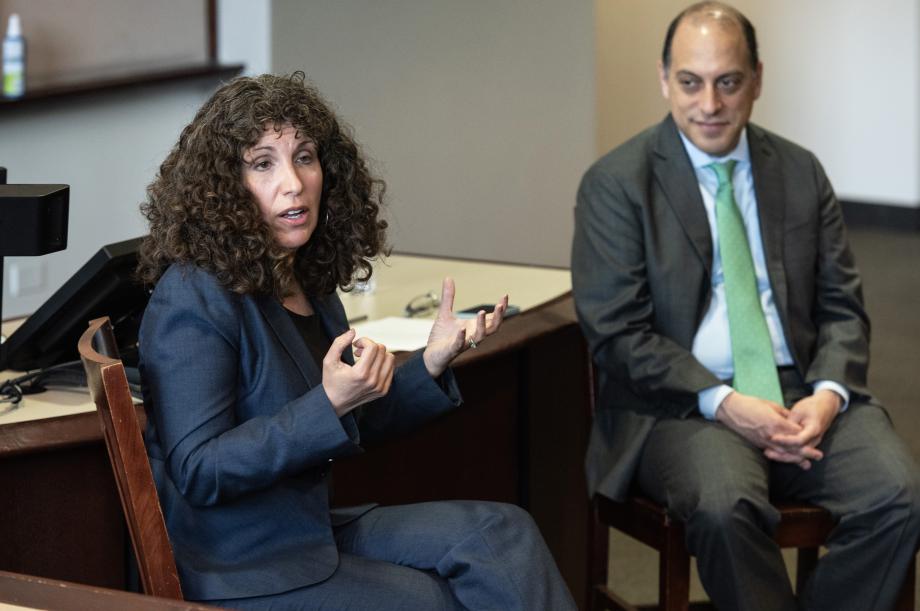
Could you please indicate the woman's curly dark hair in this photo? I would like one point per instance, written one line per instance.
(201, 213)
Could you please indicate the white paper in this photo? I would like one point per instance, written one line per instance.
(396, 333)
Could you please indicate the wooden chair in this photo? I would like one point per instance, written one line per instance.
(801, 526)
(108, 385)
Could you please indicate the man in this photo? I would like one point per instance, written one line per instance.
(718, 294)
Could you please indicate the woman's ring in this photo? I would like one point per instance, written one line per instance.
(472, 343)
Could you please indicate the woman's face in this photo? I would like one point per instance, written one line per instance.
(282, 171)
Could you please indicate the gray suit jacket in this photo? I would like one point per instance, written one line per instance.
(241, 434)
(641, 263)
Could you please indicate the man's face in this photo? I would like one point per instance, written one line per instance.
(710, 84)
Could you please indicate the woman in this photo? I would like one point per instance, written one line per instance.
(263, 208)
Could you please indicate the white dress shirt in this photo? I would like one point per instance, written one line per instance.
(712, 343)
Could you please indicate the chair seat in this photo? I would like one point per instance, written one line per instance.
(801, 526)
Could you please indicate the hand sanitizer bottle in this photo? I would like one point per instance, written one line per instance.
(14, 60)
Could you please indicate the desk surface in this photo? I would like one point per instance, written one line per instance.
(21, 592)
(396, 280)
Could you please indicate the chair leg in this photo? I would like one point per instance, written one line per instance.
(808, 560)
(906, 597)
(674, 578)
(598, 541)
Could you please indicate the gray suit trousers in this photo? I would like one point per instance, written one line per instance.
(720, 486)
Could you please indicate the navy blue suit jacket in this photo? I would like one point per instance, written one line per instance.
(241, 434)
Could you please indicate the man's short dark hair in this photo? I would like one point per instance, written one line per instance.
(750, 36)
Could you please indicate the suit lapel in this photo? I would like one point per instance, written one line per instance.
(287, 336)
(334, 321)
(771, 209)
(675, 176)
(332, 317)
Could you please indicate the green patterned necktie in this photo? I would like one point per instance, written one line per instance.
(752, 349)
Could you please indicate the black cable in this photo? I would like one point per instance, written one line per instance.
(10, 395)
(69, 375)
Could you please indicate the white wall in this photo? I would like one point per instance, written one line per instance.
(841, 77)
(483, 115)
(244, 34)
(478, 114)
(107, 147)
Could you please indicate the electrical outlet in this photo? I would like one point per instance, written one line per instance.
(26, 277)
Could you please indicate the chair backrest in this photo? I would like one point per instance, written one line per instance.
(105, 375)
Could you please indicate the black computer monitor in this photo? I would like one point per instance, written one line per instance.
(104, 286)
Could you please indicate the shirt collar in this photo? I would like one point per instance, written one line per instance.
(700, 159)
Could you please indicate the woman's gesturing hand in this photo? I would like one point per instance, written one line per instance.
(349, 386)
(451, 335)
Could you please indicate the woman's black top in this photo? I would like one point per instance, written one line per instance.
(313, 335)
